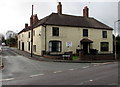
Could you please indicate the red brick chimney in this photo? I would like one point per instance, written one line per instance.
(35, 19)
(86, 11)
(26, 25)
(59, 8)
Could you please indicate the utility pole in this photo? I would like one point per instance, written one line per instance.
(32, 33)
(115, 37)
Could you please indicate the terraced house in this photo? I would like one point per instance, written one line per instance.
(58, 33)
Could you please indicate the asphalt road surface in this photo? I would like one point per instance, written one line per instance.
(20, 70)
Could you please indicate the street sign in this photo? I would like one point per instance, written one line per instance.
(69, 44)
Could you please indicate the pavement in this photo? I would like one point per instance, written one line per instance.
(40, 58)
(1, 64)
(28, 55)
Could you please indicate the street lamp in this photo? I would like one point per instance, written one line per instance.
(115, 37)
(32, 34)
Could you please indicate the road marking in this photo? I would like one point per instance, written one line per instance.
(112, 84)
(9, 79)
(106, 63)
(91, 80)
(57, 71)
(71, 69)
(81, 83)
(36, 75)
(94, 65)
(85, 67)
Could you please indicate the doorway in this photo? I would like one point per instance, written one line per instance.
(85, 48)
(19, 45)
(22, 46)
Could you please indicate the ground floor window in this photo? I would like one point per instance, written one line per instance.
(104, 46)
(34, 48)
(28, 46)
(19, 45)
(55, 46)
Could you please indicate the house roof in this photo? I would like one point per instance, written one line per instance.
(72, 21)
(24, 30)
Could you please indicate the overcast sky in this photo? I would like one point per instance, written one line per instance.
(15, 13)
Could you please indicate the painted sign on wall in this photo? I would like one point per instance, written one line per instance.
(69, 44)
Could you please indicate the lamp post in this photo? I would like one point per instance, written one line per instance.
(115, 37)
(32, 34)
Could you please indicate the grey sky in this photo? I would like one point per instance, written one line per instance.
(15, 13)
(119, 17)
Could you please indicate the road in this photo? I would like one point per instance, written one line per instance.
(20, 70)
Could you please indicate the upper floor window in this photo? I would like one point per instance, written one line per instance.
(55, 31)
(104, 46)
(28, 34)
(34, 48)
(22, 35)
(19, 36)
(85, 32)
(104, 34)
(34, 33)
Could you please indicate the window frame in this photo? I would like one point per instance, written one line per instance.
(104, 34)
(58, 44)
(33, 32)
(28, 46)
(104, 49)
(55, 31)
(34, 48)
(85, 32)
(28, 34)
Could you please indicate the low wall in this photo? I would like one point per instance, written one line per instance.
(52, 57)
(99, 57)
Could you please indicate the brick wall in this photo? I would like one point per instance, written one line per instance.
(99, 57)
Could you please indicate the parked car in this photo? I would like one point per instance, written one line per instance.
(3, 44)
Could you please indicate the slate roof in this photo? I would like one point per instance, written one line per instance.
(72, 21)
(24, 30)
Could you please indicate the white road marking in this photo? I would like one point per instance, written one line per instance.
(36, 75)
(81, 83)
(91, 80)
(85, 82)
(112, 84)
(95, 65)
(106, 63)
(9, 79)
(71, 69)
(57, 71)
(86, 67)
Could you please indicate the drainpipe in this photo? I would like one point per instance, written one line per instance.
(45, 38)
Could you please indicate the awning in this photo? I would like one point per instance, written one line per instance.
(86, 40)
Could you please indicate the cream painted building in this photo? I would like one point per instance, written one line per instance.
(59, 33)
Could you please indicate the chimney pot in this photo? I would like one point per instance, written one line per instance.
(26, 26)
(59, 8)
(35, 19)
(86, 11)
